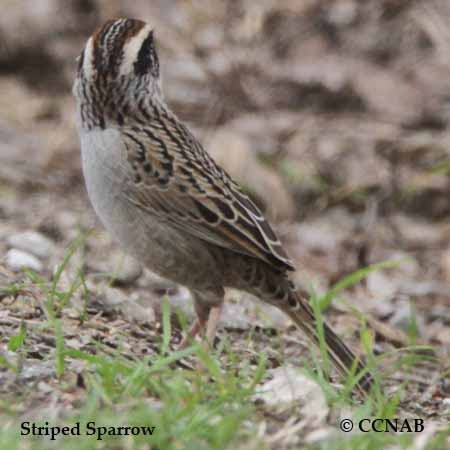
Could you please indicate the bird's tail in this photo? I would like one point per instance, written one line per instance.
(299, 310)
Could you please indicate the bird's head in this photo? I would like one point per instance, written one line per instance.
(117, 69)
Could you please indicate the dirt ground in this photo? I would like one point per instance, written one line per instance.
(335, 116)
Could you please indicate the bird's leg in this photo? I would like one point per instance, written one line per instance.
(196, 328)
(212, 324)
(208, 307)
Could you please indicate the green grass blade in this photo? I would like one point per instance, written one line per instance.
(353, 279)
(17, 341)
(59, 337)
(167, 327)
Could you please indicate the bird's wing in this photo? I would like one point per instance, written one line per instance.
(175, 179)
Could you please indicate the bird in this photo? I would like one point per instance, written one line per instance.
(165, 200)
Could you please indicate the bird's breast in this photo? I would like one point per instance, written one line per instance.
(162, 248)
(108, 175)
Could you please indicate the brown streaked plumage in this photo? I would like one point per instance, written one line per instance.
(165, 199)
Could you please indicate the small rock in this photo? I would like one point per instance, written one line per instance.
(36, 370)
(18, 260)
(113, 298)
(343, 13)
(320, 434)
(117, 300)
(382, 285)
(290, 388)
(235, 316)
(182, 300)
(66, 219)
(32, 242)
(42, 386)
(440, 312)
(242, 311)
(140, 314)
(405, 315)
(73, 343)
(125, 270)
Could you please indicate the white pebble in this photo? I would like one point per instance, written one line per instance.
(125, 269)
(18, 260)
(113, 297)
(32, 242)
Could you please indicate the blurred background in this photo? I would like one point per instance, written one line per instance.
(334, 115)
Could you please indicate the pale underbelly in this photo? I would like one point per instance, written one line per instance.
(167, 251)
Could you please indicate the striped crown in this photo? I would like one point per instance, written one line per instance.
(120, 47)
(118, 70)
